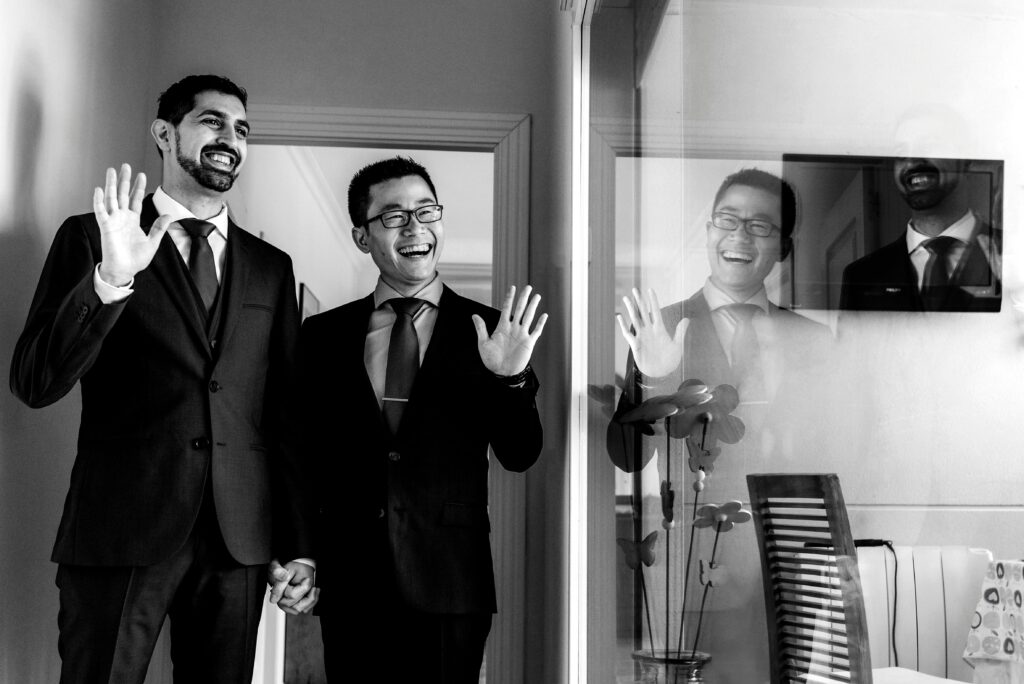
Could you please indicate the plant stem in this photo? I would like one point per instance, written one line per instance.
(686, 574)
(647, 608)
(707, 587)
(668, 544)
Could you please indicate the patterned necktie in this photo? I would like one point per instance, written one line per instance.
(200, 260)
(745, 353)
(935, 285)
(403, 361)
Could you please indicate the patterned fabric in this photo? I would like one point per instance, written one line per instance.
(995, 643)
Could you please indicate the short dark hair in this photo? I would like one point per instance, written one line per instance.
(769, 182)
(378, 172)
(180, 99)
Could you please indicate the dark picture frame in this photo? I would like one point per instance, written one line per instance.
(850, 207)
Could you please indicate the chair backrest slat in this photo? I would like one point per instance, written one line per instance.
(814, 607)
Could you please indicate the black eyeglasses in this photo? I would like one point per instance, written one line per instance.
(399, 218)
(755, 227)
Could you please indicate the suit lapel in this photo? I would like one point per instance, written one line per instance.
(167, 268)
(235, 279)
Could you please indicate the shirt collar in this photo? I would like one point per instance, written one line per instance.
(962, 230)
(165, 204)
(431, 292)
(716, 298)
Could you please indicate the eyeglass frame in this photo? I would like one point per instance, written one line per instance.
(775, 230)
(409, 213)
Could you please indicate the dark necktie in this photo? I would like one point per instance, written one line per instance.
(200, 260)
(935, 285)
(746, 353)
(403, 361)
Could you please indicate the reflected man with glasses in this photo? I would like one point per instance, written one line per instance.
(404, 390)
(728, 331)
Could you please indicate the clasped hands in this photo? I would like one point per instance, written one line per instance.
(507, 350)
(292, 586)
(655, 353)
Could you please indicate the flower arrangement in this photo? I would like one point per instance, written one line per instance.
(701, 418)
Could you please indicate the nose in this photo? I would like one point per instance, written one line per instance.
(414, 226)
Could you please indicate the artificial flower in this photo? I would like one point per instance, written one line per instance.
(639, 552)
(725, 516)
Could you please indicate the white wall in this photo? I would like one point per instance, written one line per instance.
(920, 413)
(72, 102)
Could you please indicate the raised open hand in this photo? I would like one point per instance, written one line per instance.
(127, 249)
(507, 351)
(654, 352)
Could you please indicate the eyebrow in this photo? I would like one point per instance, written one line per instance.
(420, 203)
(223, 115)
(729, 209)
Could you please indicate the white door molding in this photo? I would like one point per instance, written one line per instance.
(507, 136)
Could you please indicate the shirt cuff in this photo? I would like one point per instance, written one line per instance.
(306, 561)
(110, 294)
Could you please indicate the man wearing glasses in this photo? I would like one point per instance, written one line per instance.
(404, 390)
(727, 332)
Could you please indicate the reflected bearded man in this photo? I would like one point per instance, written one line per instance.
(728, 332)
(403, 391)
(181, 329)
(949, 257)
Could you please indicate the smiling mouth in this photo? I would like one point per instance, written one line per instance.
(920, 177)
(222, 161)
(416, 251)
(736, 257)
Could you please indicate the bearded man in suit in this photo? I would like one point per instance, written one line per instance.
(948, 258)
(404, 390)
(181, 328)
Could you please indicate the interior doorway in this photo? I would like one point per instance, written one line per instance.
(295, 198)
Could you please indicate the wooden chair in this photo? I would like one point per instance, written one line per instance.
(817, 631)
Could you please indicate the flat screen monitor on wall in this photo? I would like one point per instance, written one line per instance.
(854, 248)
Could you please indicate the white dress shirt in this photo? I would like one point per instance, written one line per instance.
(382, 320)
(962, 230)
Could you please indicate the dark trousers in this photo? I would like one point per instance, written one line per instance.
(402, 646)
(110, 618)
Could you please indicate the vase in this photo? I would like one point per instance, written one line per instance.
(672, 667)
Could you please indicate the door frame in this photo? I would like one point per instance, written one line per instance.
(507, 137)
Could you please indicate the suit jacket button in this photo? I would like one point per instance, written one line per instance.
(215, 386)
(381, 513)
(394, 456)
(83, 311)
(200, 443)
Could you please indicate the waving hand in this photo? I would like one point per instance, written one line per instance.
(127, 249)
(507, 351)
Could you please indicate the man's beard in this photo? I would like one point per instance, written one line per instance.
(211, 179)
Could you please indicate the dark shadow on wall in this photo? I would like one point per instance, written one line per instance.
(36, 446)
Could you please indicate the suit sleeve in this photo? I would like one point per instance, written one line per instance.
(67, 322)
(515, 432)
(294, 505)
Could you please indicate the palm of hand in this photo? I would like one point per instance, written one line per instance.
(502, 354)
(656, 353)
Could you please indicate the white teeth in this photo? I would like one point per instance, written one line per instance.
(728, 254)
(220, 159)
(415, 250)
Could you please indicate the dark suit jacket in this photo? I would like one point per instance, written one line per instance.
(419, 497)
(886, 280)
(803, 342)
(163, 409)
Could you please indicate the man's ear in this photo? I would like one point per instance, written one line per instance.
(161, 132)
(360, 238)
